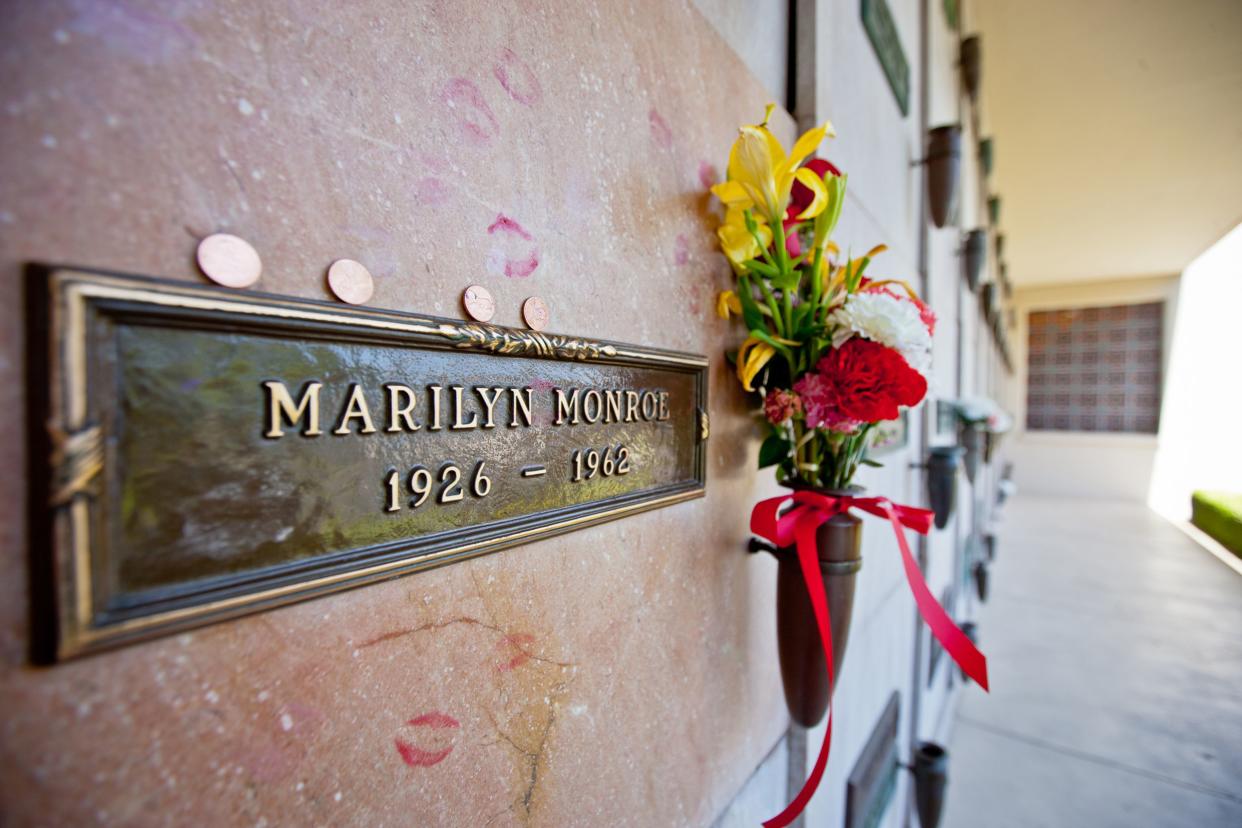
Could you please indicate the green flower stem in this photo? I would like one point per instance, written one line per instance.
(782, 258)
(815, 291)
(771, 300)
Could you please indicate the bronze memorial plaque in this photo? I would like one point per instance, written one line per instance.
(214, 452)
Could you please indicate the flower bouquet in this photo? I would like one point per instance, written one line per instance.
(983, 422)
(830, 352)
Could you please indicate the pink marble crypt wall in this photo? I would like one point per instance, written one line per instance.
(623, 674)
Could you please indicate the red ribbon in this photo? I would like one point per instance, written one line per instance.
(797, 527)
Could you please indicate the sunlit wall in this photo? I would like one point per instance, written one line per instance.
(1200, 443)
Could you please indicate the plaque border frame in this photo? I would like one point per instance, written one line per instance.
(67, 458)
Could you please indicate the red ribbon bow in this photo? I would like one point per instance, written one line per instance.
(797, 527)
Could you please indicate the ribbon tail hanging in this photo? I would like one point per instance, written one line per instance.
(960, 648)
(808, 559)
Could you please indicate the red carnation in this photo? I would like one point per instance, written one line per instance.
(870, 381)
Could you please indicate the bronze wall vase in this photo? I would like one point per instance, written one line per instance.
(803, 671)
(974, 254)
(214, 452)
(931, 776)
(980, 571)
(971, 58)
(988, 301)
(986, 155)
(972, 442)
(944, 156)
(942, 465)
(991, 439)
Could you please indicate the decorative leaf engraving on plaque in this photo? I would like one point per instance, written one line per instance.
(498, 340)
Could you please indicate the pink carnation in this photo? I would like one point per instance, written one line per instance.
(821, 405)
(780, 405)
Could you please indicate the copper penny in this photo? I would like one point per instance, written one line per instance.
(479, 303)
(535, 312)
(227, 260)
(350, 281)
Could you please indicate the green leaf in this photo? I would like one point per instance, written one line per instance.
(787, 281)
(750, 311)
(826, 221)
(761, 268)
(766, 337)
(867, 461)
(800, 314)
(774, 450)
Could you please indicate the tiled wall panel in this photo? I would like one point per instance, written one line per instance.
(1095, 369)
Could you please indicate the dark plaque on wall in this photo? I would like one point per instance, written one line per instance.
(881, 29)
(946, 418)
(890, 436)
(873, 781)
(214, 452)
(950, 13)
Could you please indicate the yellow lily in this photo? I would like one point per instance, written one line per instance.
(728, 303)
(751, 357)
(826, 269)
(737, 242)
(761, 175)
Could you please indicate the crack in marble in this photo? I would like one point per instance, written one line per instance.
(465, 619)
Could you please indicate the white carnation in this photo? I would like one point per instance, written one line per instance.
(888, 320)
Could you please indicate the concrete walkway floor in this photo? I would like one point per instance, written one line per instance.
(1114, 648)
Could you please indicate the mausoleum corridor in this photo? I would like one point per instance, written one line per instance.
(636, 413)
(1115, 643)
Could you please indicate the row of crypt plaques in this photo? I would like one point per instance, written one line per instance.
(216, 452)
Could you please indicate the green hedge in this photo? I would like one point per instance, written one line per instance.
(1219, 514)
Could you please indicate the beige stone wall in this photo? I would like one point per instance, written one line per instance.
(623, 674)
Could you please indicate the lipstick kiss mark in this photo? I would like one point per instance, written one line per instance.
(528, 91)
(508, 225)
(513, 649)
(434, 719)
(435, 734)
(694, 294)
(707, 175)
(660, 130)
(431, 191)
(474, 117)
(681, 250)
(511, 262)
